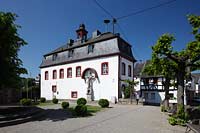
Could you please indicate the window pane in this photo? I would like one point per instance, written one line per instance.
(70, 53)
(69, 72)
(46, 75)
(54, 74)
(62, 73)
(54, 88)
(78, 71)
(74, 94)
(90, 48)
(129, 71)
(123, 69)
(104, 69)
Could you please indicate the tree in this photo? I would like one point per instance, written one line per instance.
(187, 58)
(130, 87)
(164, 67)
(10, 43)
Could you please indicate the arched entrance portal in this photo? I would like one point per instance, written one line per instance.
(90, 75)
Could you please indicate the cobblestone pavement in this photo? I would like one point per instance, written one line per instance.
(118, 119)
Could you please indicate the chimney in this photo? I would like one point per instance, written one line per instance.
(70, 42)
(96, 33)
(82, 33)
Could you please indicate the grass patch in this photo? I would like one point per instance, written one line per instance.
(91, 110)
(47, 103)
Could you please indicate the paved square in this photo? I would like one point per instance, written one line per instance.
(119, 119)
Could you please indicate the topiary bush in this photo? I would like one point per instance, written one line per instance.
(81, 110)
(42, 99)
(25, 102)
(65, 105)
(81, 101)
(104, 103)
(55, 101)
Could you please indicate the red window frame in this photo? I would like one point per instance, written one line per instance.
(54, 74)
(54, 88)
(68, 75)
(46, 75)
(104, 63)
(61, 73)
(123, 68)
(129, 70)
(77, 71)
(72, 94)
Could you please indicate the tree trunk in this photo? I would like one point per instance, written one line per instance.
(166, 85)
(180, 82)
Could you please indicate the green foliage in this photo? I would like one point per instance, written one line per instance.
(65, 105)
(25, 102)
(180, 118)
(176, 121)
(181, 122)
(198, 107)
(127, 92)
(104, 103)
(55, 101)
(10, 44)
(180, 113)
(172, 121)
(129, 88)
(42, 99)
(81, 110)
(81, 101)
(188, 57)
(163, 108)
(93, 109)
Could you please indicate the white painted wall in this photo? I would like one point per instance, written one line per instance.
(159, 96)
(125, 77)
(137, 87)
(107, 88)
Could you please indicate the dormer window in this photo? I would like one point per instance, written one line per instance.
(54, 56)
(70, 53)
(90, 48)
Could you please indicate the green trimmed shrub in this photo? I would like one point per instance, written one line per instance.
(42, 99)
(25, 102)
(104, 103)
(55, 101)
(65, 105)
(81, 110)
(81, 101)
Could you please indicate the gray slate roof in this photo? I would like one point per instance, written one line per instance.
(139, 67)
(102, 47)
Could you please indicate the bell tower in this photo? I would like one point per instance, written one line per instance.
(81, 33)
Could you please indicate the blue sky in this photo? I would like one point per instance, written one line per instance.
(48, 24)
